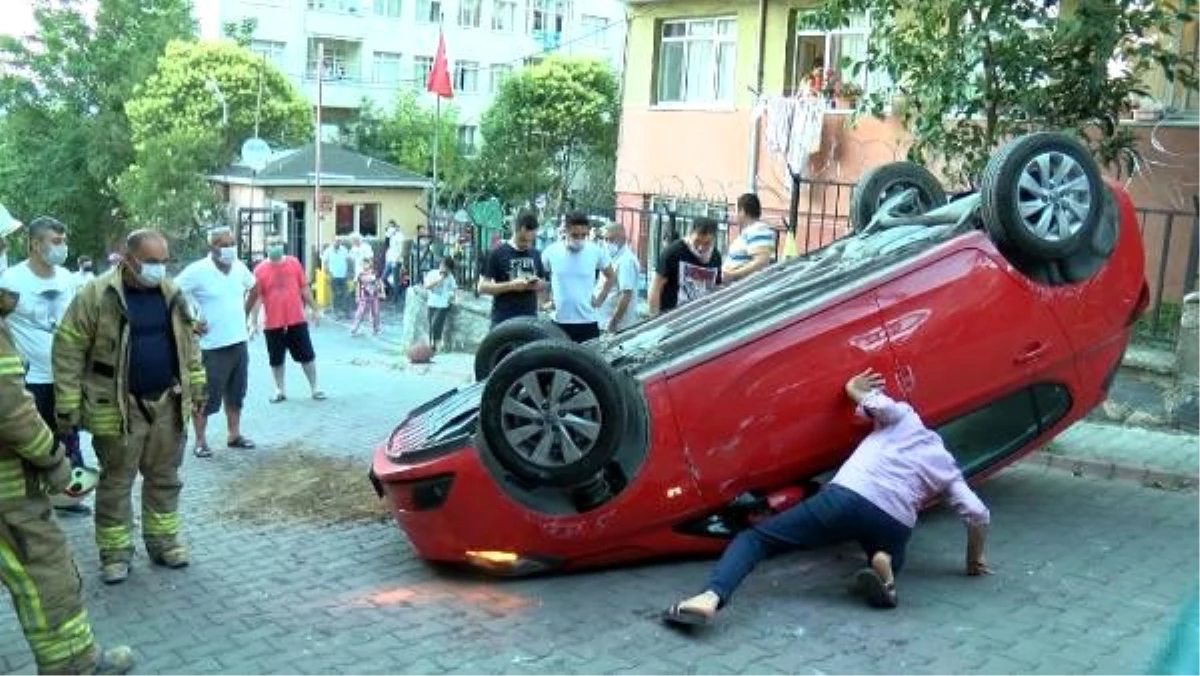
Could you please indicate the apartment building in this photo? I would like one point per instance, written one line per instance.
(374, 49)
(690, 142)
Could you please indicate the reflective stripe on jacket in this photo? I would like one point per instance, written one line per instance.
(26, 443)
(91, 356)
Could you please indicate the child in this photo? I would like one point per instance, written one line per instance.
(441, 286)
(369, 291)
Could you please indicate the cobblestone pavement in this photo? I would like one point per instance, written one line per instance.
(1089, 573)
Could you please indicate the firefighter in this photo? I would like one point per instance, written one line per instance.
(35, 561)
(127, 368)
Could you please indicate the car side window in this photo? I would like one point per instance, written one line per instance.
(987, 435)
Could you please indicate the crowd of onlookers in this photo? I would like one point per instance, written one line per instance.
(588, 280)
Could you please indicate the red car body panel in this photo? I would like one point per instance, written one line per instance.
(952, 328)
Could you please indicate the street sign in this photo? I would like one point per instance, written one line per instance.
(256, 153)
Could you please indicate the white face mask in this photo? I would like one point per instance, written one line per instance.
(227, 254)
(55, 254)
(152, 274)
(704, 255)
(614, 249)
(575, 244)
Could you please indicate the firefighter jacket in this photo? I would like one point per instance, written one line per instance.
(91, 356)
(26, 443)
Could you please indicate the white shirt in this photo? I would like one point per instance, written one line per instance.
(40, 308)
(440, 295)
(220, 300)
(572, 278)
(362, 255)
(626, 266)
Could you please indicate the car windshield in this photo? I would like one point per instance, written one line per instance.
(775, 295)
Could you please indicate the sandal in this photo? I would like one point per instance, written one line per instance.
(879, 594)
(240, 442)
(202, 451)
(278, 397)
(687, 617)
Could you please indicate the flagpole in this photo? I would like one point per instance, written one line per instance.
(437, 135)
(317, 149)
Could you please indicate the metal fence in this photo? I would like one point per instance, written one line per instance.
(1172, 243)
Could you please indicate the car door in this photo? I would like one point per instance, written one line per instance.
(773, 409)
(967, 328)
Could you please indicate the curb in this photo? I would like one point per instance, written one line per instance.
(1144, 476)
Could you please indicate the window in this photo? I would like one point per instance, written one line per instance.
(504, 15)
(466, 139)
(388, 8)
(429, 11)
(500, 73)
(547, 16)
(466, 77)
(469, 13)
(340, 6)
(822, 61)
(387, 68)
(341, 60)
(421, 67)
(362, 219)
(981, 438)
(695, 61)
(271, 51)
(593, 30)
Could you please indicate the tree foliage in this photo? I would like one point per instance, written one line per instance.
(1005, 67)
(64, 134)
(404, 136)
(180, 133)
(550, 126)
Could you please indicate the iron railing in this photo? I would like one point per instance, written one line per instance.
(1172, 241)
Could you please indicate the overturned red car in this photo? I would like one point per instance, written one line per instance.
(1001, 314)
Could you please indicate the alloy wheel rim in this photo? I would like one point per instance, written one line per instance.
(1053, 196)
(551, 417)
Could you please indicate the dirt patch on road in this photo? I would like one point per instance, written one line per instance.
(298, 483)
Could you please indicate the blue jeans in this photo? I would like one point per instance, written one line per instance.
(834, 515)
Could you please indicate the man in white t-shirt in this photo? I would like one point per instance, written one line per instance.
(618, 309)
(362, 254)
(217, 285)
(573, 264)
(42, 289)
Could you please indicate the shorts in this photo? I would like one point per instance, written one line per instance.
(294, 339)
(227, 369)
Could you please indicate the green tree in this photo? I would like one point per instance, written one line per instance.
(550, 125)
(64, 135)
(181, 132)
(1007, 67)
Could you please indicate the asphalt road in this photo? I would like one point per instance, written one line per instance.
(1089, 574)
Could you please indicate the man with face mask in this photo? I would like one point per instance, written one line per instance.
(688, 269)
(129, 341)
(282, 287)
(43, 290)
(217, 286)
(574, 263)
(618, 309)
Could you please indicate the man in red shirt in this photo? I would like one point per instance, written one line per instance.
(282, 288)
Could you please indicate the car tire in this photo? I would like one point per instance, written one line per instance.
(510, 335)
(1057, 167)
(882, 182)
(583, 397)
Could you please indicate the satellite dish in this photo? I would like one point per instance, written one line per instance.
(8, 224)
(256, 153)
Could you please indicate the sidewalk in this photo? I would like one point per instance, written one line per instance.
(1150, 457)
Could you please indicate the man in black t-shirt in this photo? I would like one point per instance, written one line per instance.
(688, 269)
(514, 275)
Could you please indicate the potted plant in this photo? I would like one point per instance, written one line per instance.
(848, 95)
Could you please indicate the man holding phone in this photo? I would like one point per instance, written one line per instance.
(514, 274)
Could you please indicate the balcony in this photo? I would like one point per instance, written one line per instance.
(343, 18)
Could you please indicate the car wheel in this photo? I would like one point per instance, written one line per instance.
(1042, 194)
(510, 335)
(884, 182)
(553, 413)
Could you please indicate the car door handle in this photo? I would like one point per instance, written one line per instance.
(1032, 352)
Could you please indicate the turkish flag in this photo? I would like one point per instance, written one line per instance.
(439, 76)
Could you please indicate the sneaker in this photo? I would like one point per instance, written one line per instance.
(877, 593)
(174, 556)
(115, 660)
(115, 572)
